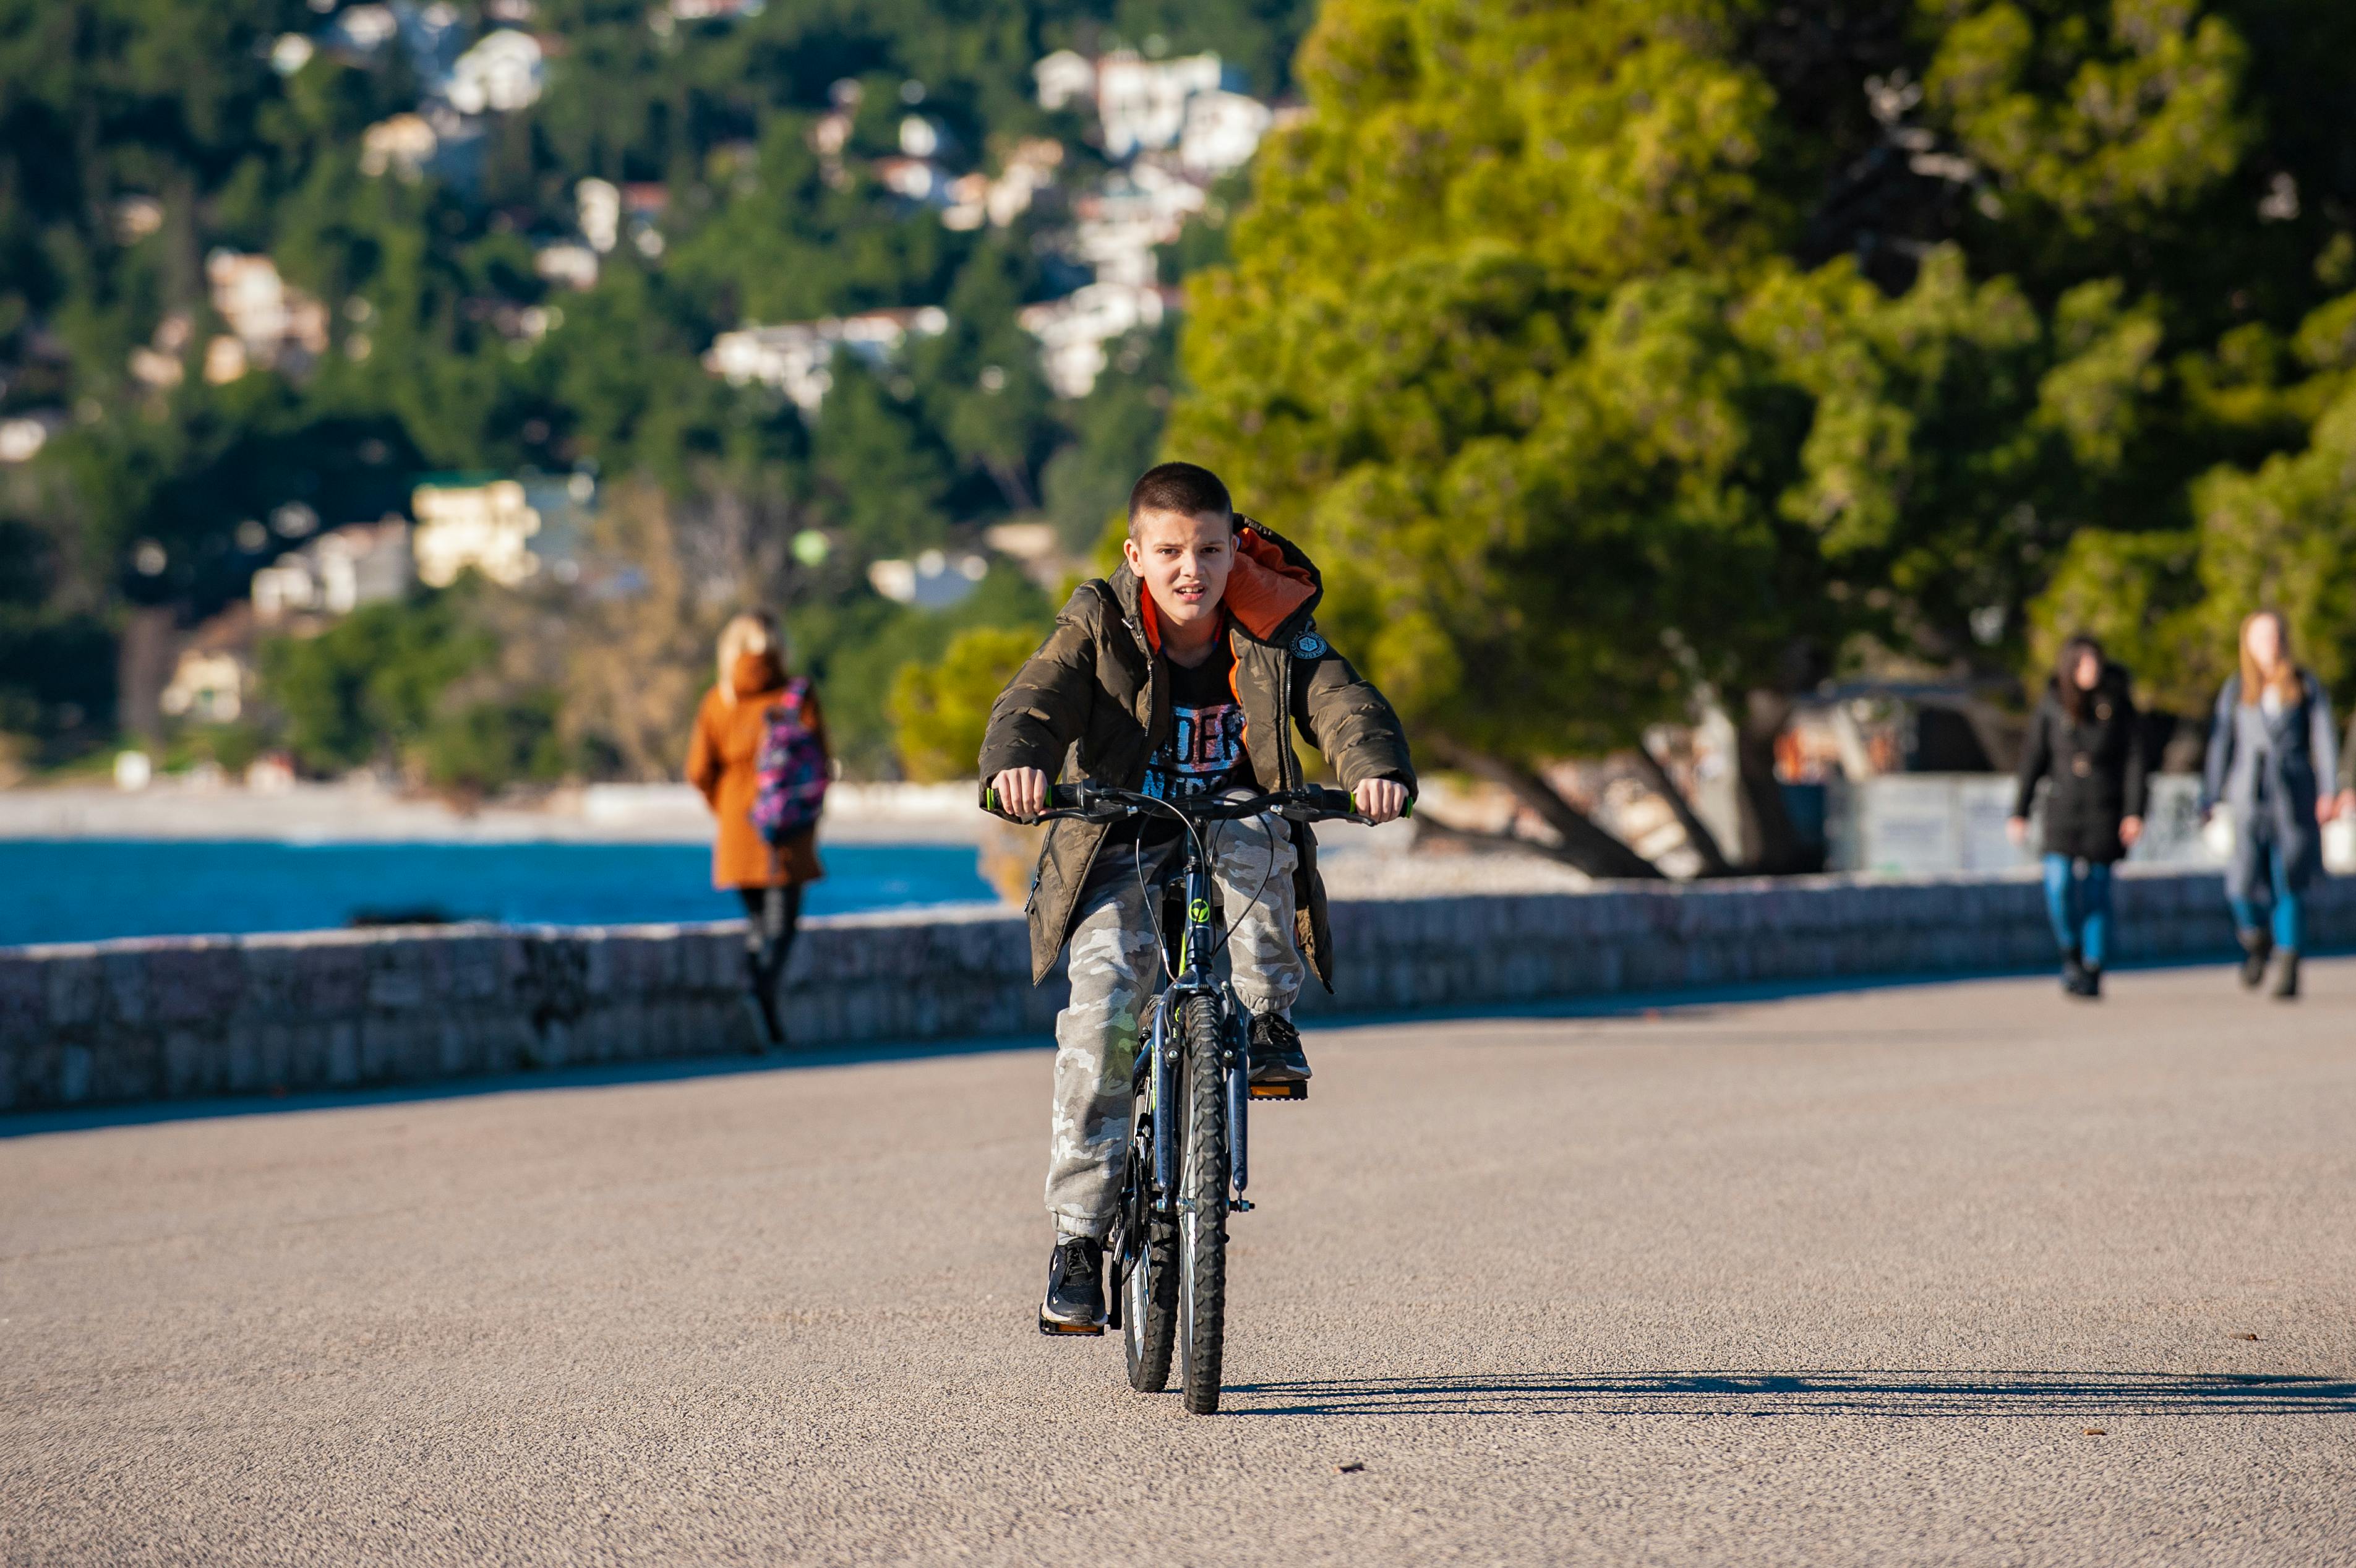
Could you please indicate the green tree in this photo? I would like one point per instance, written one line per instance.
(1614, 356)
(370, 688)
(2279, 536)
(939, 711)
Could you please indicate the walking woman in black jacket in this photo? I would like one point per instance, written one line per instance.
(2084, 736)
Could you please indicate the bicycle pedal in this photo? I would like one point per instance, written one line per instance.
(1240, 1206)
(1280, 1091)
(1051, 1329)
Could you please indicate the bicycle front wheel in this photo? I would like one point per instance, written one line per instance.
(1203, 1206)
(1150, 1286)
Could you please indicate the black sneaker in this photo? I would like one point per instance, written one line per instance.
(2257, 948)
(2074, 975)
(2090, 985)
(1075, 1299)
(1276, 1053)
(2287, 978)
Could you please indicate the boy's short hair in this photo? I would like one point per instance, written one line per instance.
(1179, 487)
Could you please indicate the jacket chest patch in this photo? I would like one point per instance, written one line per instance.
(1309, 645)
(2103, 713)
(2081, 765)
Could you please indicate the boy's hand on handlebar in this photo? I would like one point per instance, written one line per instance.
(1022, 791)
(1381, 800)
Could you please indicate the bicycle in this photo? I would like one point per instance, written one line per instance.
(1185, 1171)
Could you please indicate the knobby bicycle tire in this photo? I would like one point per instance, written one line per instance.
(1202, 1208)
(1149, 1319)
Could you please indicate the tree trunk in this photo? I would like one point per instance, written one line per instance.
(1705, 843)
(1584, 844)
(1766, 822)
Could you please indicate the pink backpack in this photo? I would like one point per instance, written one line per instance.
(789, 771)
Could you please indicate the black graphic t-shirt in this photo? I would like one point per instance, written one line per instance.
(1205, 752)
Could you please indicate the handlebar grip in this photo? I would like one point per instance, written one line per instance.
(1343, 801)
(1060, 798)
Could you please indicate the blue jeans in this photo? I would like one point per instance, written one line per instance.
(2289, 914)
(2079, 903)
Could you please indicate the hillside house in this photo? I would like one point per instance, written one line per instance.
(335, 574)
(483, 523)
(1141, 104)
(1072, 331)
(797, 357)
(272, 323)
(214, 673)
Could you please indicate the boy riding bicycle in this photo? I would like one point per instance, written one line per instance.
(1188, 673)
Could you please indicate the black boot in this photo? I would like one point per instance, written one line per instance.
(1276, 1053)
(2287, 978)
(2090, 985)
(1076, 1299)
(2074, 974)
(761, 1001)
(2257, 948)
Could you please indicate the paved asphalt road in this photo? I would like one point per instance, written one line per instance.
(1956, 1273)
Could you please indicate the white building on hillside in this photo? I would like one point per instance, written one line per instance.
(916, 179)
(358, 32)
(598, 203)
(976, 199)
(22, 435)
(797, 357)
(1065, 78)
(487, 525)
(1222, 131)
(1127, 215)
(403, 145)
(1072, 331)
(273, 322)
(215, 672)
(1141, 104)
(336, 573)
(501, 74)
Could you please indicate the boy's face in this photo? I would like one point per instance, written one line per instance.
(1182, 559)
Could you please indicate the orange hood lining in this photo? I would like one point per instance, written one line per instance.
(1263, 589)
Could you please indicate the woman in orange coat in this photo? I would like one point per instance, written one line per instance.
(721, 762)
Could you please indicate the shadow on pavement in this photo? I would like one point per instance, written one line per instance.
(1975, 1394)
(587, 1075)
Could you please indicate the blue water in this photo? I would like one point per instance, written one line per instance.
(75, 891)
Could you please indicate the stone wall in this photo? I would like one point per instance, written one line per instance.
(178, 1018)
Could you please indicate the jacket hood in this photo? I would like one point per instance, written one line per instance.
(1272, 585)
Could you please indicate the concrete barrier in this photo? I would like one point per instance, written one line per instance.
(189, 1017)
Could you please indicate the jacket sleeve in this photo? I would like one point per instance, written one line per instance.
(1047, 704)
(2220, 760)
(703, 763)
(1340, 713)
(2035, 758)
(2323, 736)
(2138, 766)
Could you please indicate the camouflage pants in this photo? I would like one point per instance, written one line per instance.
(1116, 965)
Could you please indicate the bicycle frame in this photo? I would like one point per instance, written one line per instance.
(1198, 949)
(1198, 945)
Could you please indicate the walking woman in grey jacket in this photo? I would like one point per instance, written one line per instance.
(2272, 759)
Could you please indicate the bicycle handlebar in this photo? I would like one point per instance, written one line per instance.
(1100, 803)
